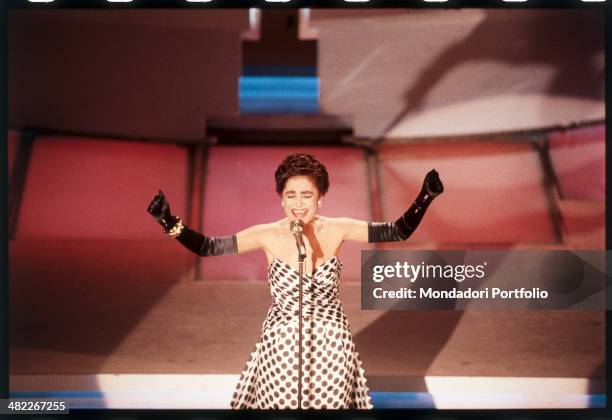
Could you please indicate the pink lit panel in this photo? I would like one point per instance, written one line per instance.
(493, 192)
(578, 158)
(98, 189)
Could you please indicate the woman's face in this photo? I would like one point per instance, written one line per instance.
(300, 198)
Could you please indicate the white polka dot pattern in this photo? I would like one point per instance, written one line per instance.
(332, 376)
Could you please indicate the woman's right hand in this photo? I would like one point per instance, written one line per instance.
(193, 241)
(159, 208)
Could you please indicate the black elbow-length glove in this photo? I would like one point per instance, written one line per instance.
(200, 244)
(403, 227)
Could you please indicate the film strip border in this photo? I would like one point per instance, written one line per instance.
(305, 3)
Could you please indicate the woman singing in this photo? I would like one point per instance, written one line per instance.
(331, 373)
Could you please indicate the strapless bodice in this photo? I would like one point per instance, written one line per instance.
(319, 290)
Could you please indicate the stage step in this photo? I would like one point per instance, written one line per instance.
(169, 391)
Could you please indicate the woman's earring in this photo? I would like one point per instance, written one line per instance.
(320, 203)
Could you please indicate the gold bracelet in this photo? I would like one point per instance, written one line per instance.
(177, 229)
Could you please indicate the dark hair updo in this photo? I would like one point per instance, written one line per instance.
(297, 164)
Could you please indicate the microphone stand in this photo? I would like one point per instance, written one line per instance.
(301, 258)
(296, 229)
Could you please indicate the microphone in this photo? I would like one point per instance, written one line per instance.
(296, 229)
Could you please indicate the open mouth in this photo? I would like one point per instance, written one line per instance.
(298, 214)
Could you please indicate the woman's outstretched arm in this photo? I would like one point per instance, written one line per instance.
(197, 243)
(402, 228)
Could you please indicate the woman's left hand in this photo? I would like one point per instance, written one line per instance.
(432, 185)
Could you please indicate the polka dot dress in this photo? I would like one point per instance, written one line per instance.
(332, 376)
